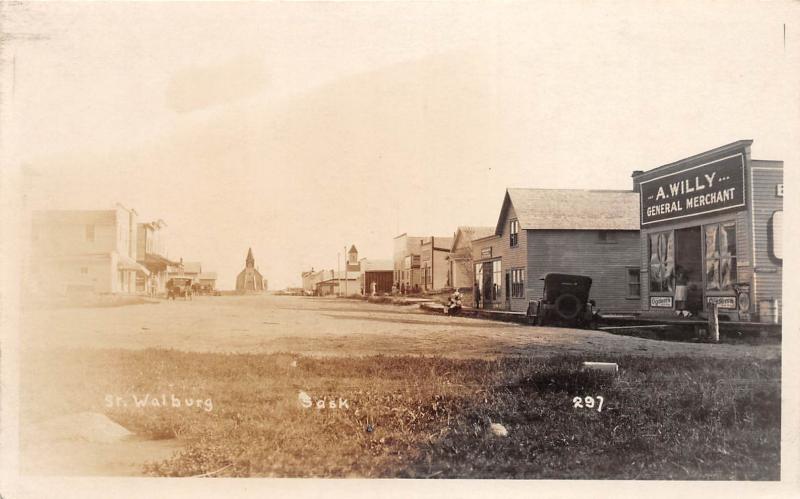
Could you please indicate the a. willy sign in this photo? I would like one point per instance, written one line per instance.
(701, 189)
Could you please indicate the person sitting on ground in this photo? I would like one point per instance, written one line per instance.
(454, 303)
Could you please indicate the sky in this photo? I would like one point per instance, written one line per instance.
(300, 128)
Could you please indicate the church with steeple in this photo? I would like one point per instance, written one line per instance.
(250, 279)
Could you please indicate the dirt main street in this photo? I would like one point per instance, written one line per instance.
(73, 359)
(329, 326)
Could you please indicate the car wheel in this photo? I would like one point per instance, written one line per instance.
(568, 307)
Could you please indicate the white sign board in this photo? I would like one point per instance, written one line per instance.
(661, 301)
(723, 302)
(777, 234)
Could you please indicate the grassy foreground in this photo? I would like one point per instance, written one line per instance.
(676, 418)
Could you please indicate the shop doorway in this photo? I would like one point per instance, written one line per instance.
(488, 285)
(689, 266)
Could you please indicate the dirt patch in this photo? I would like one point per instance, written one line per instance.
(393, 320)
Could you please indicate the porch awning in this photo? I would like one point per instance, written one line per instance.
(126, 263)
(157, 262)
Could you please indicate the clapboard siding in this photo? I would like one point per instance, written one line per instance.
(769, 270)
(581, 252)
(510, 258)
(514, 258)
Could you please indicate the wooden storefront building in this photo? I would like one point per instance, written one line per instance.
(587, 232)
(711, 229)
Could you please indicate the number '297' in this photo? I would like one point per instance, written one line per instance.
(588, 403)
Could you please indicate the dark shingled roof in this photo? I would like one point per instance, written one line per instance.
(573, 209)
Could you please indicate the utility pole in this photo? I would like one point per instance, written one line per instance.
(433, 258)
(346, 263)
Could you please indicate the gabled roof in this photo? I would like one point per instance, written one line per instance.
(572, 209)
(470, 232)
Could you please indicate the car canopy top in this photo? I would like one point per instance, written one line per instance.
(558, 284)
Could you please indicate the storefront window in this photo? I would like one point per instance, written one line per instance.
(662, 261)
(479, 277)
(720, 240)
(518, 283)
(497, 278)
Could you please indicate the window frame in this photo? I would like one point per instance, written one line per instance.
(606, 237)
(513, 233)
(629, 271)
(517, 283)
(667, 284)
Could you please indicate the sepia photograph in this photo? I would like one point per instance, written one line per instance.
(469, 247)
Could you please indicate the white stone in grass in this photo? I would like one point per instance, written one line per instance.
(498, 430)
(604, 367)
(304, 399)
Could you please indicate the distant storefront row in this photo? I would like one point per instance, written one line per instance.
(102, 252)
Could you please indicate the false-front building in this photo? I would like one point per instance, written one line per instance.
(713, 224)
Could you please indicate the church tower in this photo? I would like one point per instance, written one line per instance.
(249, 262)
(250, 280)
(352, 260)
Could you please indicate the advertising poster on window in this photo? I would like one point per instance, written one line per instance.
(723, 302)
(661, 301)
(707, 188)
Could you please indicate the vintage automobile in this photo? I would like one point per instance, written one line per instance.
(176, 287)
(565, 302)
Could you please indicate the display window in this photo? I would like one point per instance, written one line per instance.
(497, 278)
(720, 256)
(662, 261)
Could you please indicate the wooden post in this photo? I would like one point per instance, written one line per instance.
(713, 322)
